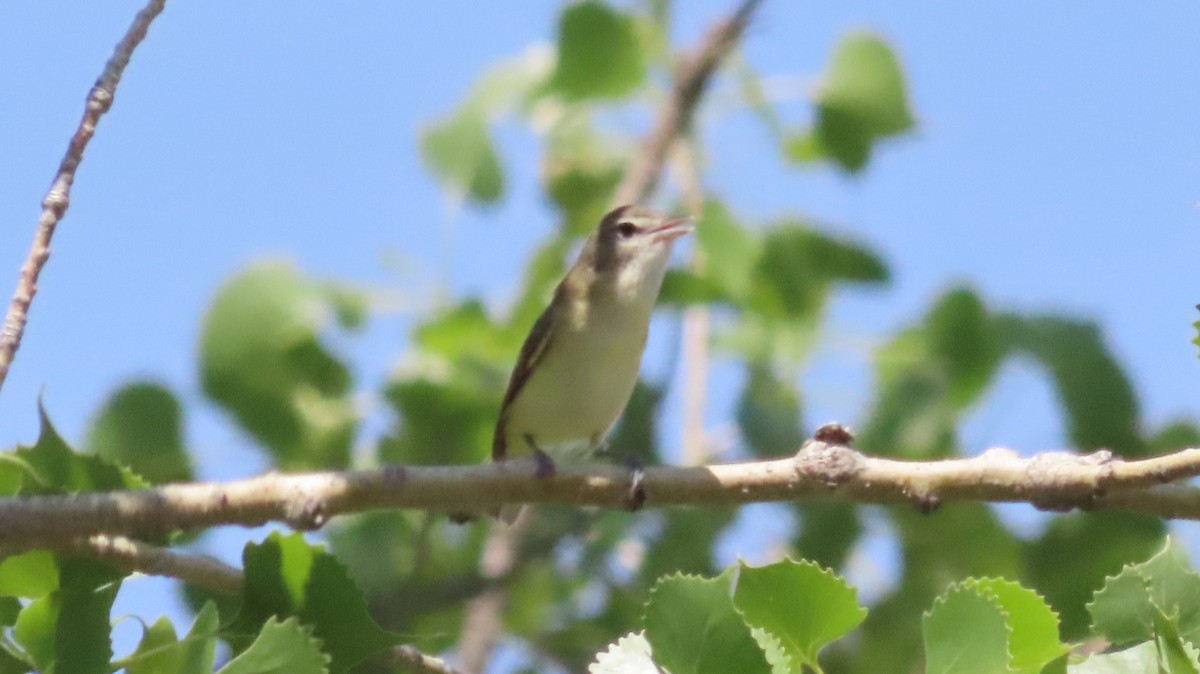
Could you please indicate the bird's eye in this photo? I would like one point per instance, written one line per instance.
(626, 229)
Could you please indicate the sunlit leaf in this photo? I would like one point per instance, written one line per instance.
(802, 605)
(628, 655)
(460, 153)
(692, 627)
(281, 647)
(29, 575)
(1137, 660)
(1032, 625)
(965, 633)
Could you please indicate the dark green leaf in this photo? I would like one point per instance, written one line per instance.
(442, 422)
(1124, 609)
(768, 414)
(287, 577)
(281, 647)
(263, 361)
(636, 434)
(693, 627)
(802, 605)
(684, 288)
(599, 54)
(1173, 437)
(1102, 411)
(52, 467)
(140, 426)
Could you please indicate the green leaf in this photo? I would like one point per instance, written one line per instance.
(68, 629)
(1175, 656)
(281, 647)
(636, 434)
(732, 249)
(159, 652)
(464, 331)
(1102, 411)
(1124, 609)
(802, 605)
(51, 467)
(447, 422)
(1033, 626)
(965, 633)
(34, 629)
(768, 413)
(693, 627)
(599, 53)
(683, 288)
(263, 361)
(863, 97)
(1173, 437)
(1137, 660)
(799, 265)
(1196, 339)
(140, 426)
(459, 152)
(31, 575)
(287, 577)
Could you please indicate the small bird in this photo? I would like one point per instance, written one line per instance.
(578, 366)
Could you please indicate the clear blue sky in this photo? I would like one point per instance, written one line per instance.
(1056, 167)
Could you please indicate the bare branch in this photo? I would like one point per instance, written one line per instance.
(130, 556)
(821, 471)
(417, 661)
(695, 320)
(55, 204)
(691, 78)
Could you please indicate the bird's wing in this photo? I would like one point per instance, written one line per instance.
(532, 352)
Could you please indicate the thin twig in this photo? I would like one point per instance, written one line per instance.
(483, 624)
(99, 100)
(674, 119)
(134, 556)
(695, 321)
(417, 661)
(819, 472)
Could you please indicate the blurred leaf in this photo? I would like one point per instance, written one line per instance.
(285, 576)
(863, 97)
(1174, 655)
(1123, 610)
(753, 94)
(732, 249)
(828, 532)
(68, 629)
(140, 426)
(685, 545)
(263, 361)
(693, 627)
(1078, 551)
(542, 274)
(281, 647)
(463, 331)
(350, 305)
(798, 266)
(1032, 625)
(768, 414)
(965, 633)
(581, 169)
(1173, 437)
(447, 422)
(30, 575)
(628, 655)
(1137, 660)
(1098, 398)
(802, 605)
(459, 152)
(599, 54)
(682, 288)
(636, 434)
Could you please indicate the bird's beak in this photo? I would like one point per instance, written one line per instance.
(672, 229)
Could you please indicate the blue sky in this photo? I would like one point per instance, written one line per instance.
(1056, 167)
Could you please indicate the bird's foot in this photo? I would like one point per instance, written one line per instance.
(635, 497)
(545, 464)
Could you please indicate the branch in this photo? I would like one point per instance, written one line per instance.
(691, 78)
(55, 204)
(416, 661)
(823, 470)
(130, 556)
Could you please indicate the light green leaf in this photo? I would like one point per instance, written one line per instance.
(1136, 660)
(802, 605)
(693, 627)
(287, 577)
(459, 152)
(863, 97)
(30, 575)
(444, 422)
(140, 426)
(160, 652)
(732, 249)
(1175, 656)
(965, 633)
(1124, 609)
(683, 288)
(281, 647)
(262, 359)
(599, 53)
(628, 655)
(1033, 626)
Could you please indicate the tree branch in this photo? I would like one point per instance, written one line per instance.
(691, 78)
(55, 204)
(821, 471)
(130, 556)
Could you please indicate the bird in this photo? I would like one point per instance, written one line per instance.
(577, 367)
